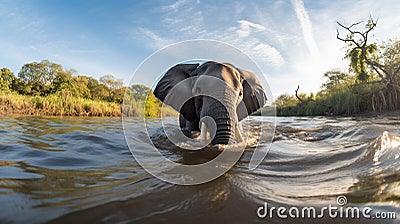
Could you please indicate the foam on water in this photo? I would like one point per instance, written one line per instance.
(386, 147)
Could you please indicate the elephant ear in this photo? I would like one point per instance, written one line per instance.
(253, 94)
(170, 79)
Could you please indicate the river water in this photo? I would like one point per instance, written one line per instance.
(80, 170)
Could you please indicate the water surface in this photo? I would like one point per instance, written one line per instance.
(80, 170)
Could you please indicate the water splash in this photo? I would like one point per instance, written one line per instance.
(384, 146)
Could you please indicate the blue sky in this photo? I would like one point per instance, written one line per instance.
(293, 42)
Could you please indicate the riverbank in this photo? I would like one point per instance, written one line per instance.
(12, 103)
(56, 105)
(361, 114)
(395, 113)
(270, 111)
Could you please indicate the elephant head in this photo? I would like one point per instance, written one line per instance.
(216, 90)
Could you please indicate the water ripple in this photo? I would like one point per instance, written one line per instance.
(81, 170)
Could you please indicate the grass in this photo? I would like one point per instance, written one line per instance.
(63, 104)
(56, 105)
(340, 101)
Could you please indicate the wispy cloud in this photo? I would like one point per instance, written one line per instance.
(268, 53)
(155, 41)
(193, 22)
(246, 27)
(253, 45)
(306, 26)
(280, 36)
(176, 5)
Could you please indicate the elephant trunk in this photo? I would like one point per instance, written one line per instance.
(225, 119)
(225, 132)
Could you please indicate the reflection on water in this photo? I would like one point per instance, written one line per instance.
(69, 170)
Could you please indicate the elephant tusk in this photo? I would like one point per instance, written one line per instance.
(204, 131)
(238, 135)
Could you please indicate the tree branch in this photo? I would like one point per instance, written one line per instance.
(372, 26)
(346, 39)
(378, 72)
(376, 65)
(362, 44)
(348, 28)
(396, 71)
(297, 96)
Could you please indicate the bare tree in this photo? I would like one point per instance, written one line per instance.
(385, 91)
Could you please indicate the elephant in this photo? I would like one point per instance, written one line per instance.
(220, 91)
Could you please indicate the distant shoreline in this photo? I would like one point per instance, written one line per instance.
(44, 114)
(364, 114)
(270, 112)
(12, 104)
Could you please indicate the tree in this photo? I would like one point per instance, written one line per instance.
(7, 77)
(96, 92)
(119, 94)
(140, 92)
(20, 87)
(63, 81)
(111, 82)
(130, 107)
(152, 106)
(336, 79)
(366, 60)
(100, 92)
(359, 51)
(358, 64)
(390, 56)
(38, 78)
(113, 85)
(80, 84)
(285, 100)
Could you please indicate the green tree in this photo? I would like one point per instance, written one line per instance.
(80, 83)
(152, 106)
(390, 57)
(119, 94)
(63, 81)
(336, 79)
(20, 87)
(7, 77)
(130, 107)
(360, 52)
(97, 91)
(285, 100)
(358, 63)
(111, 82)
(140, 92)
(38, 78)
(100, 92)
(75, 85)
(113, 85)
